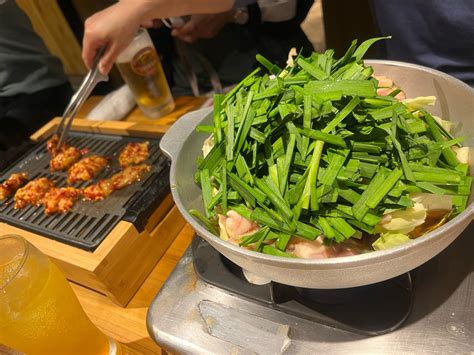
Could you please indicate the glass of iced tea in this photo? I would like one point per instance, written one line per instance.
(140, 67)
(39, 311)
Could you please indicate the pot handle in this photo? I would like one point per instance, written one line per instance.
(177, 134)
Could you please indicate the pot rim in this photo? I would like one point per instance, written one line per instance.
(365, 259)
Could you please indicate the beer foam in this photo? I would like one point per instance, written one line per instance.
(141, 40)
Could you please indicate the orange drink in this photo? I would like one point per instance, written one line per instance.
(39, 312)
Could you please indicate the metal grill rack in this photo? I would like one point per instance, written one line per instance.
(89, 222)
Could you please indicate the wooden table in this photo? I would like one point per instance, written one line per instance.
(128, 325)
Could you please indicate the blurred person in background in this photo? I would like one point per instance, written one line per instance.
(210, 50)
(33, 86)
(230, 40)
(435, 33)
(115, 27)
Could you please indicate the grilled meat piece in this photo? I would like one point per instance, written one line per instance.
(133, 153)
(98, 191)
(32, 193)
(129, 175)
(13, 183)
(60, 200)
(86, 168)
(65, 158)
(52, 145)
(118, 181)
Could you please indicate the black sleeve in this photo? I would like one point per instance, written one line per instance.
(275, 39)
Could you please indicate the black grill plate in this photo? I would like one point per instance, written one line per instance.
(88, 223)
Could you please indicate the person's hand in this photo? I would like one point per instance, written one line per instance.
(115, 27)
(112, 28)
(154, 23)
(203, 26)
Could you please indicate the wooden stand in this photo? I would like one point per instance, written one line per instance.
(124, 259)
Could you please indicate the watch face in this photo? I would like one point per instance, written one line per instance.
(241, 16)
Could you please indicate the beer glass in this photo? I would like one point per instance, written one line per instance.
(39, 312)
(140, 67)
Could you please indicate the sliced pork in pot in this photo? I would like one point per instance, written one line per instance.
(386, 86)
(316, 249)
(233, 227)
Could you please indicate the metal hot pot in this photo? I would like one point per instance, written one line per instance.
(455, 102)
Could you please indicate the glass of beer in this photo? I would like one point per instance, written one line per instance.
(140, 67)
(39, 311)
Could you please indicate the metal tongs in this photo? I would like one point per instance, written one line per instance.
(88, 84)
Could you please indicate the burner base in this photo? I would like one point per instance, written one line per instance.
(368, 310)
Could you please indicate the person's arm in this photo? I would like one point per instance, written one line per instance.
(203, 26)
(209, 25)
(115, 27)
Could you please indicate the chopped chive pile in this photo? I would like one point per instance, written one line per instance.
(312, 150)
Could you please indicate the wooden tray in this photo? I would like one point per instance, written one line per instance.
(124, 259)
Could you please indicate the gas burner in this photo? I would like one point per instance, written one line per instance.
(368, 310)
(207, 306)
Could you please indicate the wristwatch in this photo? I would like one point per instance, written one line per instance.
(241, 16)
